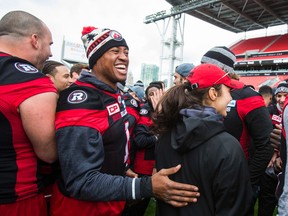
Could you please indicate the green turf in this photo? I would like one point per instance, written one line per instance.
(150, 211)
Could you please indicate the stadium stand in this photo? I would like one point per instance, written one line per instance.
(253, 44)
(279, 44)
(261, 60)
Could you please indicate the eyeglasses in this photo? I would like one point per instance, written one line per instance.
(226, 74)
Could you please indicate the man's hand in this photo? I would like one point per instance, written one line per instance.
(278, 165)
(174, 193)
(275, 137)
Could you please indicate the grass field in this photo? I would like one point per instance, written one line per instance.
(152, 205)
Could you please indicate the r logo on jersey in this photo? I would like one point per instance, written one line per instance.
(143, 112)
(77, 96)
(26, 68)
(113, 109)
(134, 102)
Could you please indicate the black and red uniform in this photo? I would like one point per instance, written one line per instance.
(282, 188)
(249, 122)
(145, 142)
(20, 176)
(92, 133)
(133, 109)
(144, 150)
(275, 114)
(267, 200)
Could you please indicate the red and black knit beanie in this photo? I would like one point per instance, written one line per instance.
(97, 41)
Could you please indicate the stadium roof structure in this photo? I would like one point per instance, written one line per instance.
(234, 15)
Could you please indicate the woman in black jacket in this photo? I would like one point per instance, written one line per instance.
(189, 122)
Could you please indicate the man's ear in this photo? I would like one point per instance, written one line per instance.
(35, 41)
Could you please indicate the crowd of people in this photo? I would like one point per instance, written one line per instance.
(79, 141)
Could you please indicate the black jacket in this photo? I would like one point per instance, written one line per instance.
(248, 120)
(211, 159)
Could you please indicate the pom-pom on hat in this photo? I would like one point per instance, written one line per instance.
(97, 41)
(220, 56)
(184, 69)
(208, 75)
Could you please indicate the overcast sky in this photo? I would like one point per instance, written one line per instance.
(67, 18)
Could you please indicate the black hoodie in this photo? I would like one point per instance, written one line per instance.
(211, 159)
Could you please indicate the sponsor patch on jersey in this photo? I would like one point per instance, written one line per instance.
(134, 102)
(25, 68)
(276, 118)
(232, 103)
(143, 112)
(113, 109)
(77, 96)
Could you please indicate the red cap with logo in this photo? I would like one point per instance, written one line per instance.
(207, 75)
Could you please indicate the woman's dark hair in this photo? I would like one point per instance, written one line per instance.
(160, 83)
(175, 99)
(151, 85)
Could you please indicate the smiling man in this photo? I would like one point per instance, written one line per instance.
(58, 73)
(93, 139)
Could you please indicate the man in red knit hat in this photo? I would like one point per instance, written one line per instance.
(93, 139)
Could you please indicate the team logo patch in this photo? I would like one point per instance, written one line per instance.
(116, 35)
(276, 118)
(113, 109)
(25, 68)
(77, 96)
(119, 99)
(232, 103)
(134, 102)
(143, 112)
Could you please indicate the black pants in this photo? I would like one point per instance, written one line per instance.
(136, 208)
(266, 199)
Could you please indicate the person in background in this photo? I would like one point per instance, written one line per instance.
(144, 142)
(92, 133)
(58, 73)
(181, 72)
(282, 188)
(133, 99)
(139, 83)
(247, 119)
(267, 200)
(156, 91)
(189, 123)
(76, 70)
(138, 93)
(267, 94)
(27, 113)
(161, 83)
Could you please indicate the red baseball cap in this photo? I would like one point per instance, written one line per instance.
(207, 75)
